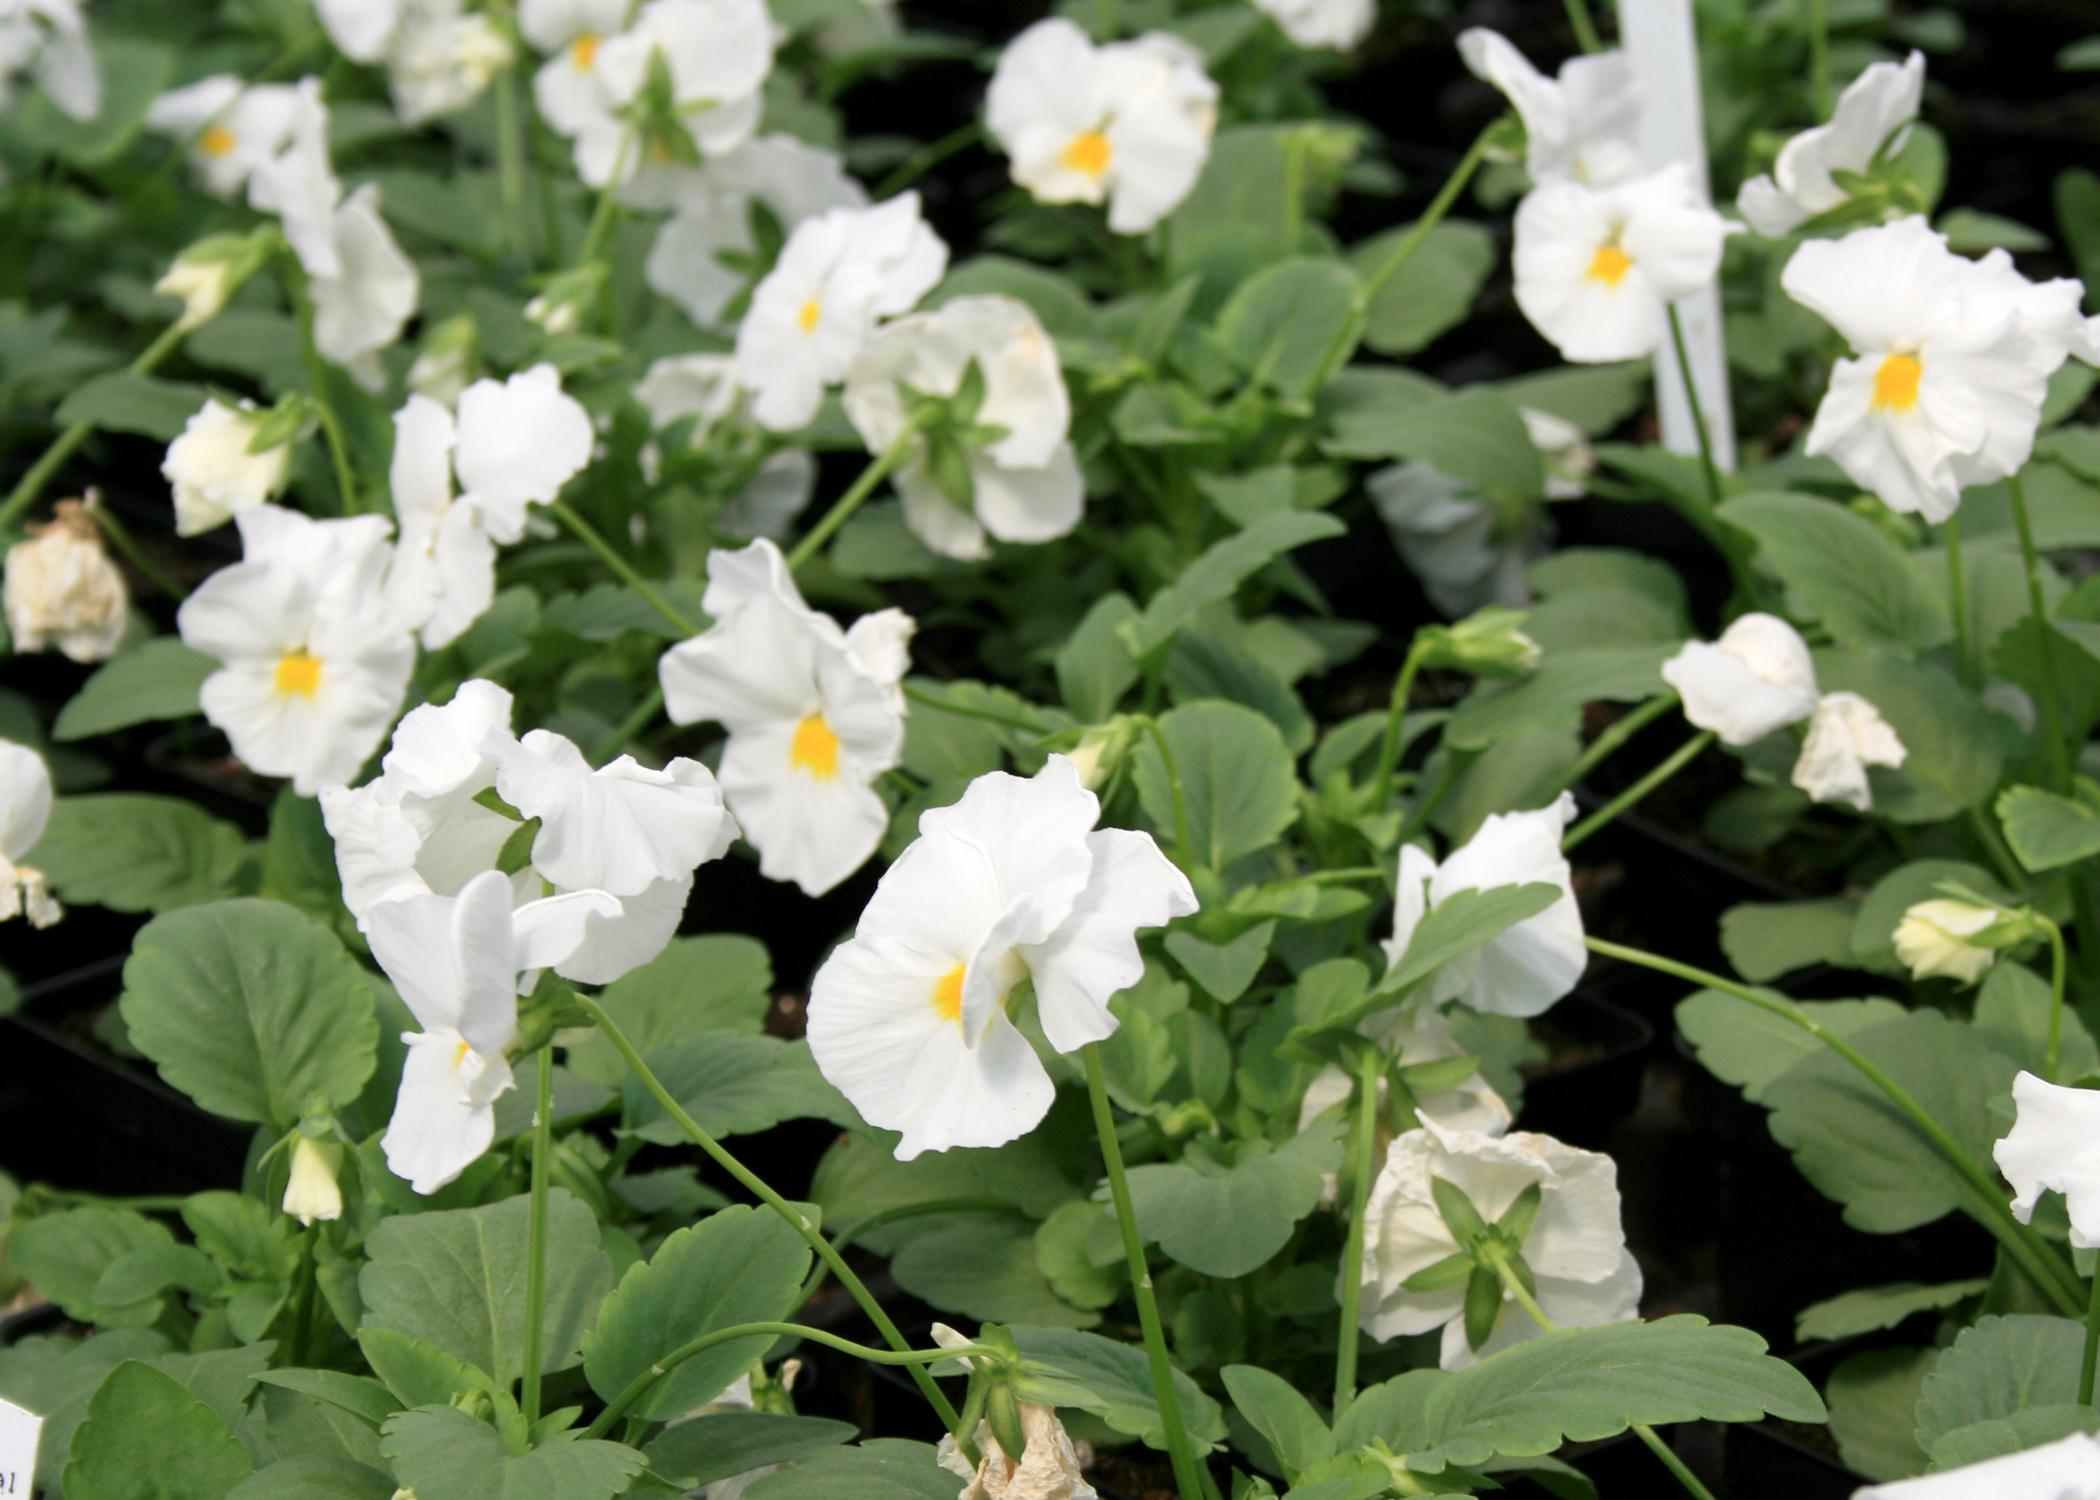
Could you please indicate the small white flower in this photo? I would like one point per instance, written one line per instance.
(25, 807)
(1873, 116)
(460, 963)
(1127, 124)
(1523, 970)
(1596, 268)
(1845, 736)
(364, 304)
(2054, 1146)
(360, 29)
(1581, 126)
(2067, 1469)
(711, 227)
(62, 590)
(1584, 1274)
(717, 54)
(1026, 486)
(312, 1191)
(235, 128)
(48, 39)
(1047, 1469)
(297, 182)
(1757, 678)
(840, 274)
(440, 58)
(215, 474)
(814, 715)
(1932, 940)
(1951, 361)
(908, 1018)
(520, 441)
(1339, 24)
(313, 664)
(571, 92)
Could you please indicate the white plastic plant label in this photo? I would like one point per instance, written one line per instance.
(19, 1431)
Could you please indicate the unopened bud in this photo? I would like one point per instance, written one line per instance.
(1487, 643)
(1938, 940)
(313, 1192)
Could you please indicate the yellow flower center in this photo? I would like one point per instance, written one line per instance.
(815, 748)
(1609, 265)
(1089, 153)
(812, 314)
(459, 1054)
(947, 995)
(298, 674)
(218, 141)
(1896, 383)
(583, 53)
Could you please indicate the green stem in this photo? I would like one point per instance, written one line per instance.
(302, 1339)
(31, 484)
(587, 534)
(608, 209)
(1184, 841)
(2091, 1356)
(624, 732)
(811, 1236)
(510, 145)
(877, 470)
(1178, 1450)
(2052, 711)
(639, 1387)
(1624, 728)
(926, 158)
(2044, 1267)
(1585, 29)
(1682, 757)
(1711, 469)
(1389, 744)
(1958, 603)
(317, 377)
(120, 537)
(896, 1213)
(536, 1234)
(2058, 966)
(1427, 801)
(1362, 1146)
(1819, 55)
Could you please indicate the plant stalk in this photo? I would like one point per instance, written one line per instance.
(1624, 728)
(1396, 712)
(1184, 840)
(2059, 964)
(843, 508)
(536, 1234)
(587, 534)
(317, 377)
(1683, 756)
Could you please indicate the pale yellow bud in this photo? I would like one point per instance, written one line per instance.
(313, 1192)
(1933, 940)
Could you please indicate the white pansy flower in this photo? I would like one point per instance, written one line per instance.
(25, 807)
(1932, 940)
(1580, 126)
(2067, 1469)
(313, 665)
(520, 441)
(703, 387)
(1873, 116)
(233, 128)
(814, 715)
(48, 40)
(1339, 24)
(215, 473)
(839, 274)
(364, 304)
(1524, 969)
(1127, 124)
(312, 1191)
(2054, 1146)
(1596, 268)
(1951, 360)
(460, 963)
(793, 180)
(1026, 485)
(1584, 1275)
(1757, 678)
(441, 58)
(297, 182)
(1846, 734)
(63, 591)
(1046, 1469)
(568, 88)
(908, 1018)
(716, 55)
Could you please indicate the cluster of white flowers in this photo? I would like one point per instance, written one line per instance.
(25, 807)
(1757, 679)
(48, 40)
(438, 55)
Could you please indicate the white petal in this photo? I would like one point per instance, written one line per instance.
(617, 829)
(439, 1129)
(2054, 1145)
(519, 442)
(1093, 955)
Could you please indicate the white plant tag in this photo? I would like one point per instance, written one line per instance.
(19, 1431)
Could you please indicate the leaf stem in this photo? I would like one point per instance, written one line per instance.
(1711, 470)
(1396, 711)
(1615, 734)
(1958, 603)
(844, 507)
(926, 158)
(1585, 29)
(536, 1234)
(1184, 840)
(1178, 1450)
(587, 534)
(1683, 756)
(120, 537)
(1819, 55)
(623, 733)
(1363, 1146)
(2052, 711)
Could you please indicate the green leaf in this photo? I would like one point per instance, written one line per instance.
(156, 679)
(1765, 939)
(456, 1280)
(2014, 1010)
(1204, 664)
(858, 1178)
(1747, 1046)
(1273, 1407)
(1062, 1367)
(1236, 780)
(1578, 1385)
(724, 1444)
(1843, 570)
(133, 853)
(1065, 1254)
(299, 857)
(251, 1009)
(1281, 325)
(54, 1376)
(1460, 923)
(982, 1265)
(1432, 292)
(443, 1454)
(719, 984)
(142, 404)
(147, 1438)
(1475, 436)
(64, 1254)
(1873, 1410)
(1222, 970)
(1227, 1215)
(2046, 831)
(740, 1265)
(879, 1469)
(1595, 398)
(1997, 1367)
(1870, 1309)
(733, 1085)
(2015, 1432)
(1859, 1151)
(317, 1476)
(417, 1373)
(1094, 665)
(1553, 696)
(367, 1400)
(1223, 567)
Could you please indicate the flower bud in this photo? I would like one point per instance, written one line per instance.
(1487, 643)
(313, 1192)
(1099, 752)
(560, 309)
(1935, 940)
(62, 590)
(448, 360)
(208, 273)
(216, 473)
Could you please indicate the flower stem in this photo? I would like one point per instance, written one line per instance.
(1958, 603)
(1396, 712)
(1363, 1145)
(317, 377)
(1819, 55)
(120, 537)
(811, 1236)
(1683, 756)
(536, 1234)
(1184, 840)
(1178, 1450)
(2052, 712)
(843, 508)
(926, 158)
(608, 210)
(2058, 964)
(1614, 735)
(587, 534)
(624, 732)
(1585, 29)
(640, 1386)
(1691, 397)
(2044, 1267)
(2091, 1357)
(510, 143)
